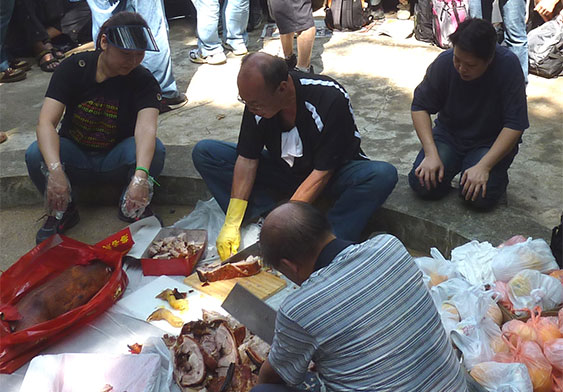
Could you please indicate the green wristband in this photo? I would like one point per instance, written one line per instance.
(141, 168)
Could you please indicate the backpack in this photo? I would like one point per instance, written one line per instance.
(446, 16)
(556, 244)
(545, 49)
(346, 15)
(423, 21)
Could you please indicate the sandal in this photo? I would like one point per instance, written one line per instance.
(58, 54)
(213, 59)
(20, 64)
(47, 65)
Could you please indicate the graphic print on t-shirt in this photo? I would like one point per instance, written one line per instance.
(94, 123)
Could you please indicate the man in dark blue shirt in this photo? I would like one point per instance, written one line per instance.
(479, 93)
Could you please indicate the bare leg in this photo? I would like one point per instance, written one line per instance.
(305, 42)
(287, 44)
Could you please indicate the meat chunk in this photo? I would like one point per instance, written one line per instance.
(212, 273)
(189, 365)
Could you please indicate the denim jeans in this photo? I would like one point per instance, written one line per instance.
(513, 14)
(358, 187)
(6, 9)
(159, 63)
(456, 162)
(87, 167)
(234, 17)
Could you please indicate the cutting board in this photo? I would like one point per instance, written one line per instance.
(262, 285)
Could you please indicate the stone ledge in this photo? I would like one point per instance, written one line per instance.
(445, 224)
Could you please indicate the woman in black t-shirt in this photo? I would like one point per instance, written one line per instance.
(108, 133)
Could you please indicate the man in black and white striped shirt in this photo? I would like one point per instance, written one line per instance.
(298, 140)
(362, 314)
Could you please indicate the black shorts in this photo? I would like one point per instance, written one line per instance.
(292, 16)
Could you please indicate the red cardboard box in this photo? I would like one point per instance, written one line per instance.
(156, 267)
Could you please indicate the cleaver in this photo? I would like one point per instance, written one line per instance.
(252, 312)
(252, 250)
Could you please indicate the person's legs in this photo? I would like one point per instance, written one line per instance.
(287, 44)
(118, 165)
(305, 41)
(514, 19)
(215, 162)
(452, 165)
(498, 177)
(360, 188)
(234, 24)
(207, 24)
(475, 9)
(159, 63)
(6, 9)
(76, 163)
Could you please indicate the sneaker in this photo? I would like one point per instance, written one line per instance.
(168, 104)
(291, 61)
(377, 12)
(213, 59)
(240, 51)
(53, 225)
(148, 212)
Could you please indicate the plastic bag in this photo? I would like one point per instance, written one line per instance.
(546, 330)
(554, 353)
(477, 336)
(502, 377)
(435, 269)
(531, 255)
(558, 274)
(473, 261)
(52, 256)
(501, 290)
(530, 354)
(530, 288)
(446, 290)
(513, 241)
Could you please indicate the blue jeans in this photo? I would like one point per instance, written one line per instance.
(159, 63)
(234, 16)
(86, 167)
(456, 162)
(273, 388)
(6, 9)
(513, 14)
(358, 187)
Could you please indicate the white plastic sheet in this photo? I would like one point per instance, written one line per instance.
(91, 372)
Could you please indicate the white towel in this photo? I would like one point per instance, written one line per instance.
(291, 146)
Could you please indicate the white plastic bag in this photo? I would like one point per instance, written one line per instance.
(502, 377)
(473, 261)
(446, 290)
(530, 288)
(531, 255)
(477, 336)
(435, 269)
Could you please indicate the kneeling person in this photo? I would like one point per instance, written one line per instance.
(108, 133)
(362, 313)
(478, 90)
(298, 140)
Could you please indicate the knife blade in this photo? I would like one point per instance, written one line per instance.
(250, 311)
(252, 250)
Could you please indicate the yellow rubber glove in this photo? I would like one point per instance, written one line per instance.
(228, 240)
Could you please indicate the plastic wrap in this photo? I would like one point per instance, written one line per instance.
(137, 197)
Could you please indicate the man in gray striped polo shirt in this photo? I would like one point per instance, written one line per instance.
(362, 314)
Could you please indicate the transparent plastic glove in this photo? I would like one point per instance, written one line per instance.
(228, 239)
(57, 190)
(137, 197)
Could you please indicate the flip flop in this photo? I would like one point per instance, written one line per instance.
(58, 54)
(20, 64)
(45, 65)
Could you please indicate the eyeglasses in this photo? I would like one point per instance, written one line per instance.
(256, 106)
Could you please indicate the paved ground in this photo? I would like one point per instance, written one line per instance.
(379, 73)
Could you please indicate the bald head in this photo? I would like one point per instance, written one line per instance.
(271, 69)
(295, 231)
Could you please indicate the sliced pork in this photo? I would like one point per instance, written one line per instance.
(214, 272)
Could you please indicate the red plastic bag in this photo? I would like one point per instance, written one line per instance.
(41, 264)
